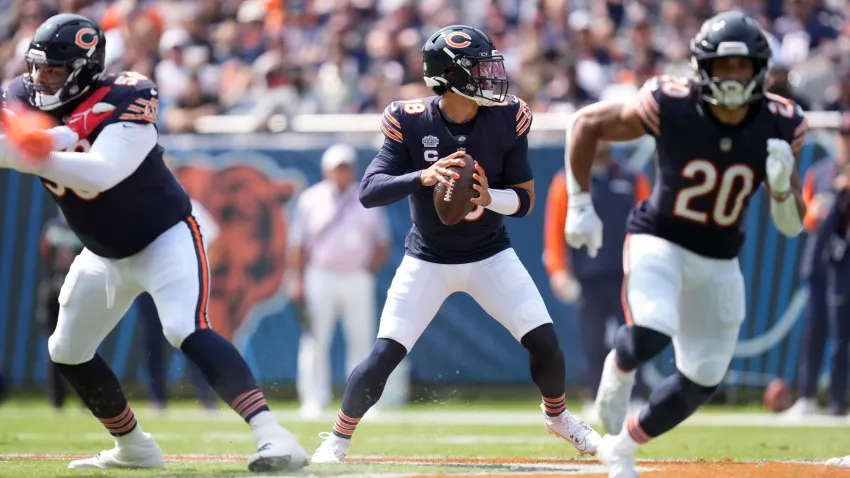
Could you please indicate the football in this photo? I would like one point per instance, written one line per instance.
(777, 396)
(452, 203)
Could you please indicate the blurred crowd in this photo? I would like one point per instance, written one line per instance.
(262, 57)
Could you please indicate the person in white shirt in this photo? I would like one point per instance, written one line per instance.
(337, 246)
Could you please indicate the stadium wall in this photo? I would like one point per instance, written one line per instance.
(249, 183)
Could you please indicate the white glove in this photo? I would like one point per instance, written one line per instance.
(780, 165)
(583, 225)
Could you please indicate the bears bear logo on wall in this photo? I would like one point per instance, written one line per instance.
(248, 201)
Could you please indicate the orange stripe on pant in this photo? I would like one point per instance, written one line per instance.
(624, 292)
(202, 320)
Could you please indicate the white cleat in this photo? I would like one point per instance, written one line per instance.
(574, 430)
(839, 462)
(143, 454)
(332, 450)
(618, 454)
(279, 452)
(612, 398)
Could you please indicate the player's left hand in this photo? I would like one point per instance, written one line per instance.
(780, 165)
(90, 114)
(483, 187)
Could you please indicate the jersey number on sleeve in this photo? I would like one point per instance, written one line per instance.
(675, 87)
(82, 146)
(130, 78)
(723, 213)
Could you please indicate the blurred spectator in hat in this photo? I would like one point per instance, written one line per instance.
(337, 246)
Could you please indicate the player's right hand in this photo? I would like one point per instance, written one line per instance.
(584, 228)
(438, 172)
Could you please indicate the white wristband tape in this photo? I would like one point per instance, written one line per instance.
(504, 201)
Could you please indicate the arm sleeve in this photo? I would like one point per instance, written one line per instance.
(389, 177)
(116, 153)
(642, 188)
(554, 250)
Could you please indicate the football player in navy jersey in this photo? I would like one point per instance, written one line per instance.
(135, 220)
(471, 111)
(719, 136)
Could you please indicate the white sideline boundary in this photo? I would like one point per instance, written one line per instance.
(447, 417)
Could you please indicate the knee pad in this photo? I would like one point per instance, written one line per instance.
(542, 342)
(707, 373)
(175, 334)
(637, 345)
(61, 352)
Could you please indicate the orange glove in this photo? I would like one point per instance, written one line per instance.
(25, 130)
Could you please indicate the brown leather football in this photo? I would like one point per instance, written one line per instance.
(452, 203)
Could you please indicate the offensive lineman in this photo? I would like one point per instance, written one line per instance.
(470, 112)
(718, 137)
(140, 234)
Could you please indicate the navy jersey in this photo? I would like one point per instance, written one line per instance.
(121, 221)
(707, 171)
(417, 135)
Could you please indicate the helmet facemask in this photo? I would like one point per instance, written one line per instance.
(482, 80)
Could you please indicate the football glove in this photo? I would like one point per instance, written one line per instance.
(584, 228)
(780, 165)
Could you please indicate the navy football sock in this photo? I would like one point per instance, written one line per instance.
(548, 368)
(673, 401)
(366, 384)
(226, 372)
(100, 391)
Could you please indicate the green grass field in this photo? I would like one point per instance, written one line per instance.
(483, 439)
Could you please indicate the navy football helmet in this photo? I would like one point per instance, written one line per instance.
(725, 35)
(464, 60)
(70, 41)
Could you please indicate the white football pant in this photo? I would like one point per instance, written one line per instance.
(698, 301)
(97, 292)
(500, 284)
